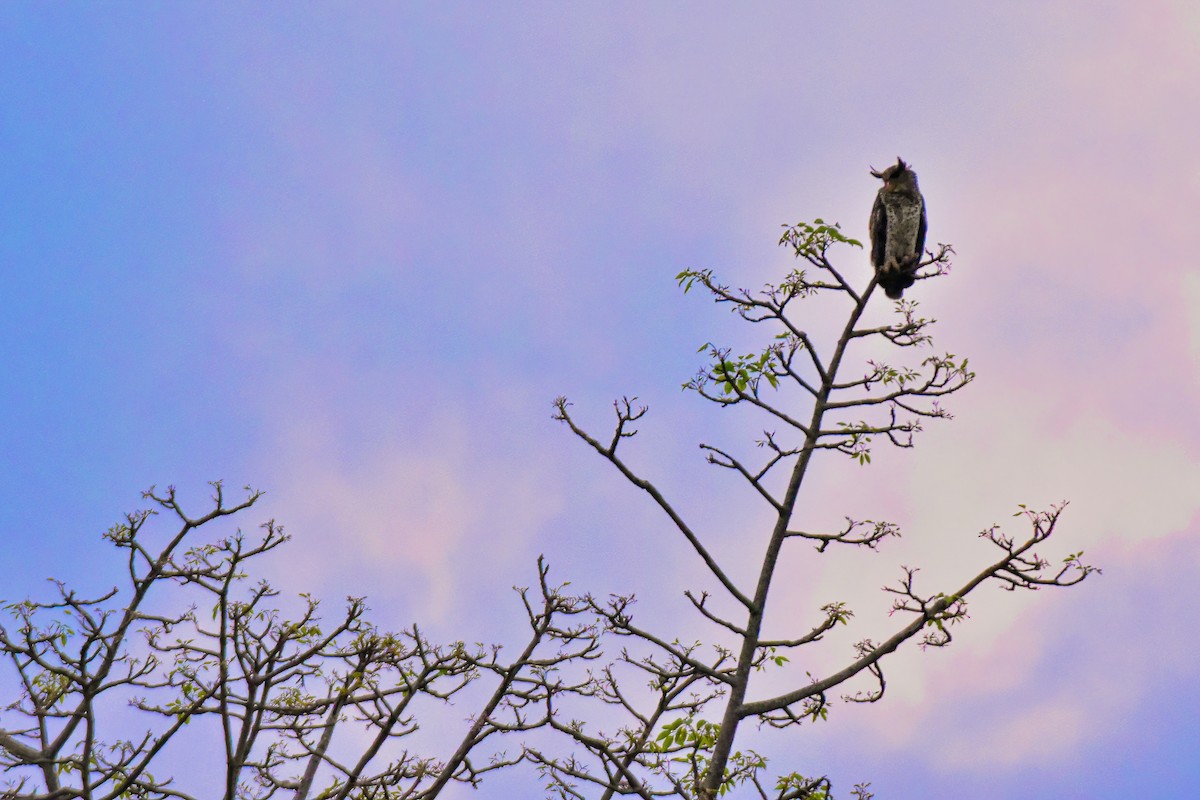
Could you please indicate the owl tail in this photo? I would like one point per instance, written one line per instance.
(892, 280)
(895, 278)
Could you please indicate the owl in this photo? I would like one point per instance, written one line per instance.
(897, 228)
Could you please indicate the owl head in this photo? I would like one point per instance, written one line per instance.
(898, 177)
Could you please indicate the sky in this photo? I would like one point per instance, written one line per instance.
(349, 256)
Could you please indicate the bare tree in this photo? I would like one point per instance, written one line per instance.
(277, 693)
(677, 740)
(313, 706)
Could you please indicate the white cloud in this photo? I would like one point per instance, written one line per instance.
(1008, 686)
(418, 521)
(1040, 734)
(1191, 300)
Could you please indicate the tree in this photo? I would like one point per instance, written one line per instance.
(302, 707)
(815, 401)
(308, 707)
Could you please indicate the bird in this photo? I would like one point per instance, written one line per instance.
(898, 226)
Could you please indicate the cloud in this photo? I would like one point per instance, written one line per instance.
(414, 522)
(1033, 678)
(1045, 692)
(1191, 299)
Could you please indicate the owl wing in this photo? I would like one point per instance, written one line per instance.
(921, 232)
(879, 232)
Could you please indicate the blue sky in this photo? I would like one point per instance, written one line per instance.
(350, 257)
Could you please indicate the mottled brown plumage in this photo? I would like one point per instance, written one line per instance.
(897, 228)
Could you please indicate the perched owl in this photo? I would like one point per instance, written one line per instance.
(897, 228)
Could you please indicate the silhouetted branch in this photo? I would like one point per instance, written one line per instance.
(623, 417)
(767, 381)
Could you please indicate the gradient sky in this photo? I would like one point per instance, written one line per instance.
(350, 257)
